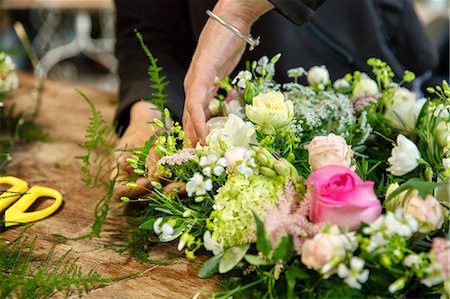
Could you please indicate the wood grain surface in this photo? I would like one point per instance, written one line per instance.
(64, 115)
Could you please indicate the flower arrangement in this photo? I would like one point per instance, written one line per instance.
(321, 190)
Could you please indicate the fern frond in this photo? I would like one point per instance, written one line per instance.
(27, 275)
(157, 82)
(98, 145)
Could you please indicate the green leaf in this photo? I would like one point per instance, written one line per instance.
(423, 187)
(262, 243)
(210, 267)
(148, 225)
(231, 257)
(285, 249)
(256, 260)
(292, 274)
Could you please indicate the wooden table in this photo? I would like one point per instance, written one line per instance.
(64, 116)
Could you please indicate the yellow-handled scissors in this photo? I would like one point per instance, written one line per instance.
(18, 199)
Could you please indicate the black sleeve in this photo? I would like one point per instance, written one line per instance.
(298, 11)
(162, 24)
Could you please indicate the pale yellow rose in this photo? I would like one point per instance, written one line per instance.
(318, 251)
(270, 111)
(429, 212)
(328, 150)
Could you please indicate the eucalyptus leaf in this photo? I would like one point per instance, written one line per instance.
(210, 267)
(256, 260)
(231, 257)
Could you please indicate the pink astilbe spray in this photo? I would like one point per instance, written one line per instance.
(179, 158)
(441, 248)
(290, 218)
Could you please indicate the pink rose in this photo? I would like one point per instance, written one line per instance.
(338, 196)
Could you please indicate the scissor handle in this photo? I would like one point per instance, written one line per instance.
(16, 213)
(18, 187)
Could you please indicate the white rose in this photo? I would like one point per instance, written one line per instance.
(328, 150)
(402, 113)
(318, 251)
(318, 75)
(404, 157)
(270, 111)
(429, 212)
(235, 132)
(341, 83)
(365, 86)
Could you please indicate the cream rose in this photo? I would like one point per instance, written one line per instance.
(429, 212)
(318, 251)
(365, 86)
(404, 109)
(328, 150)
(270, 111)
(318, 75)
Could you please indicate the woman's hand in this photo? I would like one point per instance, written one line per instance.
(137, 133)
(218, 52)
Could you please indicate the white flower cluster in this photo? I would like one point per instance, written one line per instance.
(165, 231)
(314, 112)
(198, 185)
(442, 111)
(248, 165)
(354, 274)
(242, 78)
(8, 78)
(388, 225)
(265, 66)
(212, 164)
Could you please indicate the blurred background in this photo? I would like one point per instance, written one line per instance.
(74, 39)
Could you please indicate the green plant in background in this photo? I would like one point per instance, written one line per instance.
(27, 275)
(14, 126)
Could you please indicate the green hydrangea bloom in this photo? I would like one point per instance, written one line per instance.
(236, 200)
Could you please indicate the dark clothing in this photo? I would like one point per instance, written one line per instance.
(171, 29)
(342, 35)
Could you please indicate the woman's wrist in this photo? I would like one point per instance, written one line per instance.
(242, 13)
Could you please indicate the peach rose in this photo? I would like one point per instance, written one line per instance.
(328, 150)
(318, 251)
(429, 212)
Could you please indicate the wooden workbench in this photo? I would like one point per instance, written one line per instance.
(64, 115)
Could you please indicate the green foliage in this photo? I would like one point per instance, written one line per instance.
(137, 244)
(25, 275)
(15, 127)
(157, 82)
(98, 145)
